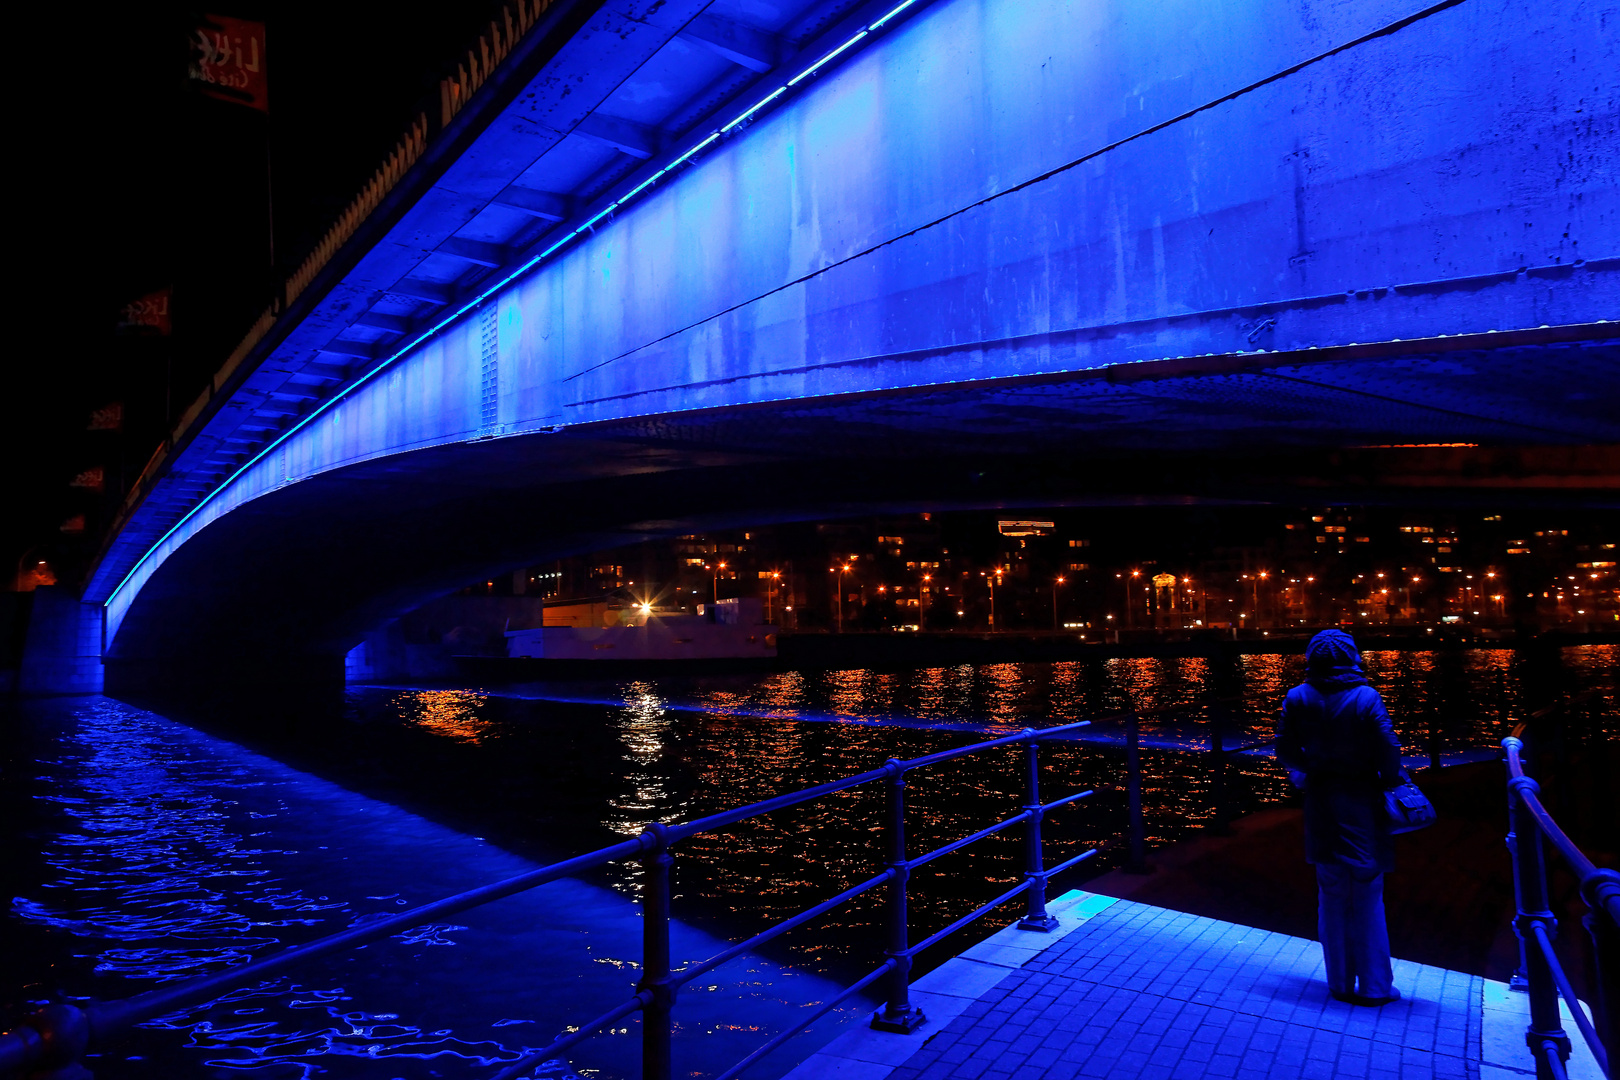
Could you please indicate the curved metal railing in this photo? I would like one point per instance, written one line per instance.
(59, 1035)
(1531, 828)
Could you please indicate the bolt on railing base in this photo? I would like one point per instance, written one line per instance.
(903, 1022)
(1043, 924)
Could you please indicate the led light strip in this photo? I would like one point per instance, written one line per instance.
(530, 264)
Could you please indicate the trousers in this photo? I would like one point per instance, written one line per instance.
(1350, 923)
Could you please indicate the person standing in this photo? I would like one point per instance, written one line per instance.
(1335, 737)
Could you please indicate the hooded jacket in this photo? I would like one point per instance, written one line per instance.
(1335, 730)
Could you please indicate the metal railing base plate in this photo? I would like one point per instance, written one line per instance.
(900, 1023)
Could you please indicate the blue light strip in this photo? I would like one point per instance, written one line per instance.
(811, 70)
(758, 105)
(528, 265)
(892, 14)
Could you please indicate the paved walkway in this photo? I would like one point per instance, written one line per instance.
(1130, 990)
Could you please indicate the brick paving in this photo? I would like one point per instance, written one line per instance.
(1141, 991)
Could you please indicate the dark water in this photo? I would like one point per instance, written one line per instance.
(146, 851)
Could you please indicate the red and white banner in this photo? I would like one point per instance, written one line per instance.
(149, 314)
(227, 61)
(92, 479)
(109, 417)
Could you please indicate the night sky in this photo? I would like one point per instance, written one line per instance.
(138, 183)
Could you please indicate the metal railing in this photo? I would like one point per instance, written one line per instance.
(1221, 754)
(58, 1036)
(1531, 828)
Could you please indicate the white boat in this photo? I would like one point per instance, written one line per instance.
(729, 630)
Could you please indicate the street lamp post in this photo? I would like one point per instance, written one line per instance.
(717, 567)
(1258, 577)
(994, 578)
(1406, 588)
(841, 570)
(1130, 608)
(35, 569)
(1055, 624)
(770, 584)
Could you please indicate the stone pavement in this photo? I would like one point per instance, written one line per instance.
(1148, 992)
(1124, 989)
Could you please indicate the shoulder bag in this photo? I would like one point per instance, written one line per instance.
(1407, 808)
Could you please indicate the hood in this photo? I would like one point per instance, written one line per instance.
(1332, 660)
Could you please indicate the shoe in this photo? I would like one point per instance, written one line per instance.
(1393, 995)
(1346, 996)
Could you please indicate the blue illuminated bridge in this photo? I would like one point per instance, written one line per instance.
(662, 265)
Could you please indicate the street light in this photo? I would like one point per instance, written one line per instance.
(1407, 589)
(1130, 609)
(1055, 624)
(24, 559)
(840, 570)
(770, 583)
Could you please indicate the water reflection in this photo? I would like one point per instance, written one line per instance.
(679, 749)
(167, 854)
(644, 727)
(451, 713)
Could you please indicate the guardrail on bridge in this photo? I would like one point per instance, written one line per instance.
(1540, 972)
(55, 1040)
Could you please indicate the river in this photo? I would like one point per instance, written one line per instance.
(141, 850)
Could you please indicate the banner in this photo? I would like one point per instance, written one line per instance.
(1026, 528)
(107, 418)
(227, 61)
(92, 479)
(149, 314)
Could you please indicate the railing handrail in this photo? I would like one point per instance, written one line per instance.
(65, 1032)
(1574, 856)
(1540, 971)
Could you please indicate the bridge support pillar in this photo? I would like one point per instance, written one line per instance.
(62, 652)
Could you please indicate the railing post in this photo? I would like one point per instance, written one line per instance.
(1598, 886)
(1434, 739)
(1036, 917)
(1217, 744)
(1136, 861)
(655, 1023)
(898, 1014)
(1546, 1034)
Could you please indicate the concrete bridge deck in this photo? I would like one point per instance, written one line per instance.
(1124, 989)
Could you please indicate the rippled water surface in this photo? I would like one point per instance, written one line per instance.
(151, 852)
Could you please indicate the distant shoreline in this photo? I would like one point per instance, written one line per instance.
(935, 649)
(905, 651)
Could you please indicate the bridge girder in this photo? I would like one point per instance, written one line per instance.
(1068, 238)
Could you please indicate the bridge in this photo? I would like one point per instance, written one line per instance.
(661, 265)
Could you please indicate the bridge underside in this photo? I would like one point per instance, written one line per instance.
(998, 253)
(275, 592)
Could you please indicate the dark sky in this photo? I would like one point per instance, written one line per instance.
(133, 183)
